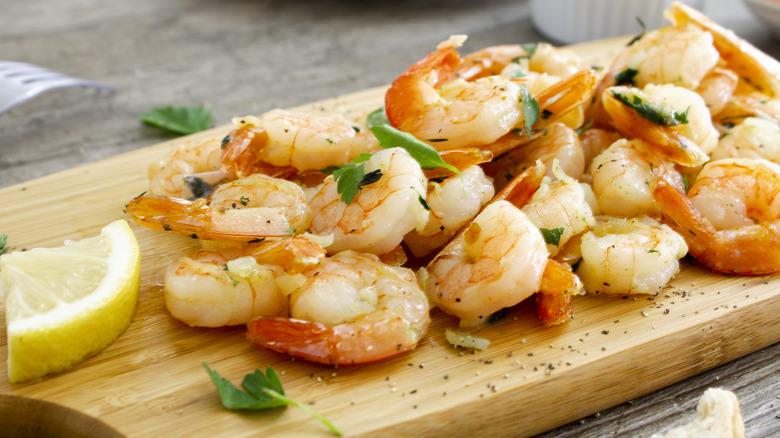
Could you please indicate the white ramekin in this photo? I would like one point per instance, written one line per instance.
(574, 21)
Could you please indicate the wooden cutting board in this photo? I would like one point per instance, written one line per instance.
(150, 382)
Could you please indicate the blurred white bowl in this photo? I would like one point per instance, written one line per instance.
(574, 21)
(768, 11)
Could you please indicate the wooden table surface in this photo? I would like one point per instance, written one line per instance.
(240, 57)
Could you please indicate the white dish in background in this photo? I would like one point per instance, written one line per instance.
(768, 11)
(574, 21)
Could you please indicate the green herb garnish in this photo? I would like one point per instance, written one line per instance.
(260, 391)
(377, 117)
(626, 77)
(178, 119)
(422, 152)
(4, 243)
(652, 111)
(553, 236)
(530, 110)
(530, 49)
(582, 129)
(641, 34)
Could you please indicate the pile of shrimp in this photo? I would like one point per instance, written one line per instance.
(570, 181)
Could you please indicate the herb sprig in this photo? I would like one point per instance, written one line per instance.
(552, 236)
(652, 111)
(260, 391)
(351, 177)
(178, 119)
(4, 244)
(530, 110)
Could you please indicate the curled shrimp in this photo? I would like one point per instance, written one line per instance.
(758, 68)
(731, 217)
(381, 213)
(516, 60)
(630, 256)
(674, 119)
(753, 138)
(494, 262)
(190, 171)
(558, 143)
(280, 140)
(245, 209)
(431, 103)
(453, 203)
(717, 89)
(622, 178)
(352, 309)
(563, 208)
(235, 285)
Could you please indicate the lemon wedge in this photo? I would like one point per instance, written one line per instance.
(66, 304)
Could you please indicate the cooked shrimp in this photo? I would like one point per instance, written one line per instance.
(301, 140)
(494, 262)
(453, 113)
(732, 220)
(352, 309)
(674, 119)
(744, 105)
(556, 292)
(630, 256)
(249, 208)
(381, 213)
(559, 142)
(191, 171)
(717, 89)
(623, 176)
(235, 285)
(753, 138)
(758, 68)
(679, 55)
(515, 60)
(561, 208)
(429, 102)
(453, 203)
(596, 140)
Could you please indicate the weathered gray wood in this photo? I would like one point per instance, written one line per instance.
(247, 56)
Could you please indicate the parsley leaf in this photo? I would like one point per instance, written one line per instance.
(261, 391)
(423, 153)
(553, 236)
(641, 34)
(377, 117)
(652, 111)
(530, 110)
(4, 243)
(178, 119)
(626, 77)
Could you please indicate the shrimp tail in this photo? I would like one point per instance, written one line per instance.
(460, 159)
(431, 71)
(197, 220)
(294, 254)
(344, 344)
(241, 154)
(566, 95)
(681, 215)
(556, 291)
(165, 214)
(665, 140)
(522, 187)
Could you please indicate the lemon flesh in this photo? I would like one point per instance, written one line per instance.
(66, 304)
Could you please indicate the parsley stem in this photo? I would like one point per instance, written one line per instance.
(315, 414)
